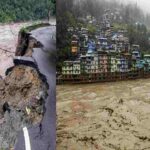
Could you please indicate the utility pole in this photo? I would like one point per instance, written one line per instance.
(49, 15)
(49, 9)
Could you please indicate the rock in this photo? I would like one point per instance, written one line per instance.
(1, 121)
(2, 84)
(26, 43)
(33, 43)
(6, 107)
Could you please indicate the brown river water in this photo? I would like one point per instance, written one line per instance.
(105, 116)
(8, 41)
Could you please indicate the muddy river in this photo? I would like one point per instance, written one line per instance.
(105, 116)
(8, 41)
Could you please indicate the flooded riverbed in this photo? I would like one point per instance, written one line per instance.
(8, 41)
(106, 116)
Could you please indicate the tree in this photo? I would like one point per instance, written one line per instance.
(22, 10)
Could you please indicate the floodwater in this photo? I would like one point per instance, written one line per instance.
(8, 41)
(105, 116)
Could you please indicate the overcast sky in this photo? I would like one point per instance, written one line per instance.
(144, 4)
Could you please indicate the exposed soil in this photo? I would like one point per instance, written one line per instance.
(106, 116)
(24, 92)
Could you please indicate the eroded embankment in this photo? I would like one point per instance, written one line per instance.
(22, 91)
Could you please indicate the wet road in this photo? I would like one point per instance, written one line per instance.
(43, 137)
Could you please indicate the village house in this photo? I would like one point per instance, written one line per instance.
(70, 29)
(103, 43)
(74, 44)
(140, 64)
(76, 68)
(88, 61)
(67, 68)
(147, 58)
(113, 63)
(71, 68)
(136, 55)
(124, 65)
(103, 62)
(84, 31)
(147, 61)
(118, 63)
(94, 64)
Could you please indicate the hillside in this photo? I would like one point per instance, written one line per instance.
(26, 10)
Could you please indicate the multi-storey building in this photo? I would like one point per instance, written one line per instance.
(103, 62)
(76, 68)
(74, 44)
(124, 65)
(71, 68)
(67, 67)
(136, 55)
(147, 62)
(135, 50)
(94, 64)
(113, 63)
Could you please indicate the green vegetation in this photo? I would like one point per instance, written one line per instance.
(22, 10)
(63, 36)
(138, 34)
(34, 26)
(119, 26)
(91, 29)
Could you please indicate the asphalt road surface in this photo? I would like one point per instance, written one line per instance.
(43, 137)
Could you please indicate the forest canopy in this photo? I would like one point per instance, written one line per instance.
(23, 10)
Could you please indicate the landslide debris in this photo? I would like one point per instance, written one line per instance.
(22, 93)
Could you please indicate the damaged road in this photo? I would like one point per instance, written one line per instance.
(35, 72)
(43, 136)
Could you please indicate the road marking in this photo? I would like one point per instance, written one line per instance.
(27, 139)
